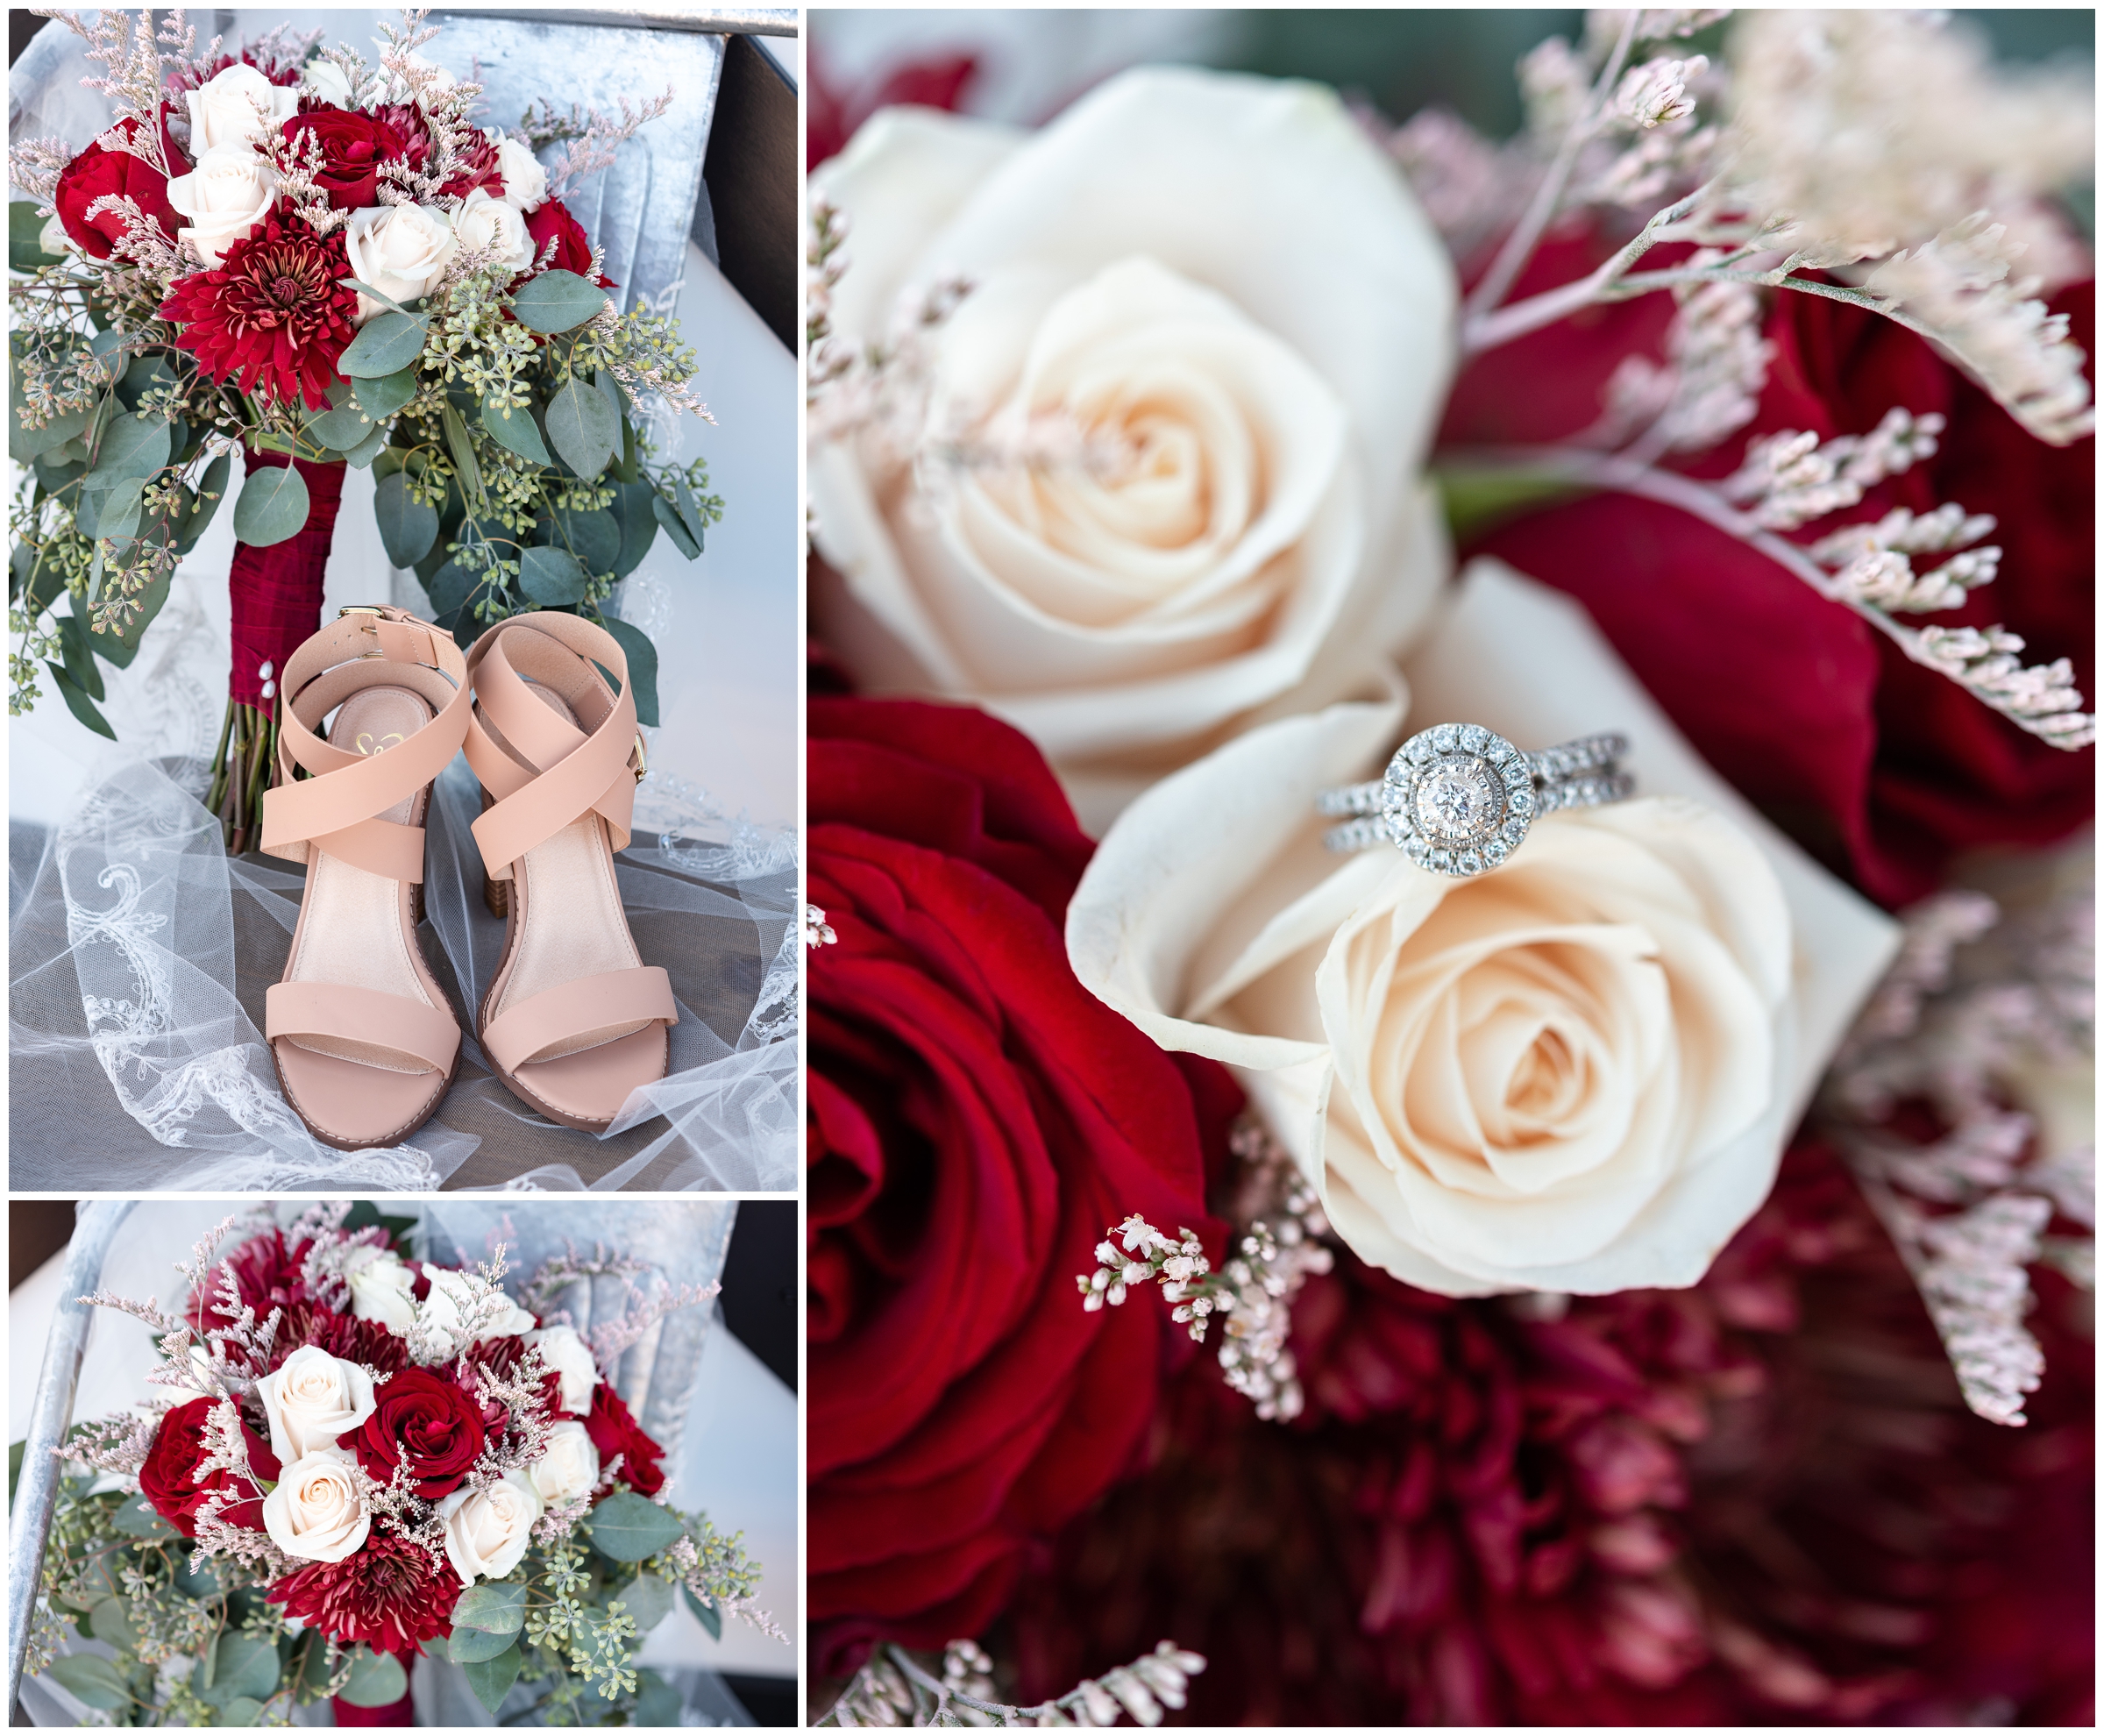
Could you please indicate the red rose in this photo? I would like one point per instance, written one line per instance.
(613, 1430)
(169, 1477)
(389, 1595)
(1880, 767)
(353, 145)
(573, 246)
(96, 174)
(977, 1119)
(425, 1421)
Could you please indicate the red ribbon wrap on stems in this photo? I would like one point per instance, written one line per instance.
(277, 591)
(401, 1713)
(277, 602)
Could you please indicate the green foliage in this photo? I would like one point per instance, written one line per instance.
(273, 506)
(376, 1679)
(494, 1607)
(582, 427)
(558, 301)
(24, 232)
(387, 344)
(408, 526)
(625, 1527)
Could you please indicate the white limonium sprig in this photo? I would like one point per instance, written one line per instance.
(1956, 1018)
(895, 1690)
(816, 930)
(1253, 1292)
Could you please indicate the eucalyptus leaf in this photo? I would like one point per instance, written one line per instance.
(491, 1678)
(594, 538)
(110, 1622)
(134, 446)
(25, 443)
(385, 300)
(642, 666)
(388, 343)
(380, 397)
(707, 1614)
(108, 505)
(581, 428)
(690, 515)
(639, 525)
(80, 658)
(55, 475)
(648, 1600)
(515, 428)
(463, 450)
(92, 1681)
(492, 1608)
(377, 1679)
(449, 586)
(668, 515)
(474, 1645)
(25, 238)
(118, 649)
(364, 452)
(611, 389)
(657, 1701)
(243, 1666)
(408, 527)
(625, 1527)
(211, 493)
(392, 459)
(146, 375)
(557, 301)
(273, 506)
(241, 1712)
(343, 428)
(550, 576)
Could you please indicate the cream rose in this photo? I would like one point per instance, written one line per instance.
(569, 1469)
(238, 107)
(328, 80)
(381, 1286)
(1208, 341)
(455, 1296)
(224, 197)
(315, 1512)
(1574, 1074)
(525, 180)
(312, 1397)
(53, 238)
(483, 222)
(570, 1357)
(400, 249)
(488, 1530)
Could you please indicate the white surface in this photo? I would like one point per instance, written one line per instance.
(738, 1461)
(727, 648)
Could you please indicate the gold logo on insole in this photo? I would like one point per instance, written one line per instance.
(368, 747)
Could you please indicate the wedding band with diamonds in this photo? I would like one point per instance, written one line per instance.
(1459, 799)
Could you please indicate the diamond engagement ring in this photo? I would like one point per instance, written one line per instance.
(1459, 799)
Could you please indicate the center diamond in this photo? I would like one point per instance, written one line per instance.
(1459, 801)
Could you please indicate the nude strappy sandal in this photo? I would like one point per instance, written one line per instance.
(364, 1040)
(574, 1019)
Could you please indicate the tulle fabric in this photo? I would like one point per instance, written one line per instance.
(139, 954)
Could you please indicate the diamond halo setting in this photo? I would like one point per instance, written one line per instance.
(1457, 799)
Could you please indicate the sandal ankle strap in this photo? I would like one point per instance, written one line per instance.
(543, 771)
(335, 808)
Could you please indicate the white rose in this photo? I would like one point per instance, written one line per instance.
(315, 1512)
(570, 1357)
(224, 197)
(380, 1288)
(238, 107)
(400, 249)
(1574, 1074)
(483, 222)
(569, 1469)
(53, 238)
(488, 1530)
(525, 180)
(312, 1397)
(1216, 310)
(327, 80)
(454, 1296)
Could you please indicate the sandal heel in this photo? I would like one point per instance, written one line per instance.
(495, 896)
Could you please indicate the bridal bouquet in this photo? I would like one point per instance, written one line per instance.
(1625, 1225)
(359, 1459)
(321, 262)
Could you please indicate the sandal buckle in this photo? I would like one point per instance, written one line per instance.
(642, 764)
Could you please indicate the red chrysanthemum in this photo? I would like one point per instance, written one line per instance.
(266, 1272)
(355, 1340)
(274, 316)
(388, 1595)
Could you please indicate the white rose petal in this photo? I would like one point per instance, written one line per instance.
(327, 80)
(482, 223)
(525, 180)
(570, 1357)
(569, 1469)
(52, 236)
(224, 197)
(381, 1288)
(400, 249)
(454, 1296)
(1574, 1074)
(238, 107)
(315, 1512)
(1226, 518)
(310, 1399)
(486, 1531)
